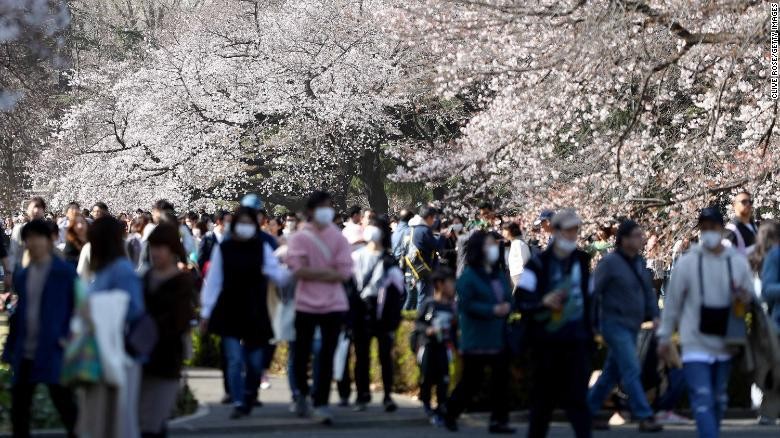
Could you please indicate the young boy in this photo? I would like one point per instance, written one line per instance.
(435, 332)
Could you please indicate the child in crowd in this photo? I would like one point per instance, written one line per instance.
(433, 341)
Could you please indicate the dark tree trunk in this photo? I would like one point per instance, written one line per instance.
(373, 176)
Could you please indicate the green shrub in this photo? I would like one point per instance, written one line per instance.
(406, 372)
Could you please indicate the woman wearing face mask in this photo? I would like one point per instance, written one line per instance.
(376, 311)
(484, 302)
(234, 304)
(449, 243)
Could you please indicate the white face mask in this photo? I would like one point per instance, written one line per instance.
(324, 215)
(492, 253)
(566, 246)
(196, 233)
(710, 239)
(289, 227)
(244, 231)
(457, 228)
(372, 234)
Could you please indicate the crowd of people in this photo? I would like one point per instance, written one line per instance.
(102, 306)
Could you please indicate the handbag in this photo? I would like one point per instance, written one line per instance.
(81, 358)
(721, 321)
(340, 357)
(284, 322)
(142, 337)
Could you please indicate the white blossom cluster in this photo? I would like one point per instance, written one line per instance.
(276, 96)
(614, 107)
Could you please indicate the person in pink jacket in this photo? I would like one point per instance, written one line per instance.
(320, 258)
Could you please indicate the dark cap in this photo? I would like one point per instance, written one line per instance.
(545, 215)
(711, 214)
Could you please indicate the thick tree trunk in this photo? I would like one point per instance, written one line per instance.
(373, 176)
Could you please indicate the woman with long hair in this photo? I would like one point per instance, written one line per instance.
(75, 239)
(168, 298)
(765, 259)
(104, 409)
(484, 303)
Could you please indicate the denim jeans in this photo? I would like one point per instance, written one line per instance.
(669, 400)
(244, 369)
(417, 294)
(621, 366)
(410, 299)
(707, 391)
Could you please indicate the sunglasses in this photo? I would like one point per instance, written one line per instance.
(746, 202)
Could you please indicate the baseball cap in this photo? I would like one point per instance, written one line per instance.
(565, 219)
(711, 214)
(252, 201)
(545, 215)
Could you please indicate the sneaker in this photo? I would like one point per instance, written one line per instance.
(293, 407)
(257, 403)
(502, 429)
(390, 405)
(323, 416)
(649, 425)
(450, 424)
(669, 417)
(344, 403)
(429, 412)
(265, 383)
(600, 424)
(360, 407)
(238, 412)
(226, 400)
(302, 407)
(763, 420)
(436, 420)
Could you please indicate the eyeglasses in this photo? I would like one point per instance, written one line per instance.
(746, 202)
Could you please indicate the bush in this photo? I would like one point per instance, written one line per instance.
(407, 374)
(43, 413)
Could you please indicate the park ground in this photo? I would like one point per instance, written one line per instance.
(274, 419)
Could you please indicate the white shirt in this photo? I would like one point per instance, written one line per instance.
(519, 254)
(212, 284)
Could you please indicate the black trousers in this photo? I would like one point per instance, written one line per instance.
(471, 381)
(344, 386)
(434, 371)
(560, 379)
(367, 329)
(21, 400)
(330, 326)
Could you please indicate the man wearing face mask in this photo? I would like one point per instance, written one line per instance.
(320, 258)
(625, 298)
(708, 283)
(553, 295)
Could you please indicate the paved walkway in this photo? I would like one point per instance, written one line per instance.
(274, 415)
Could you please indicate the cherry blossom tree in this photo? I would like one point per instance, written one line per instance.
(278, 97)
(31, 44)
(632, 107)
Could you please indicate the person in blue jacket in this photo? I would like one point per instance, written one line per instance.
(38, 326)
(484, 303)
